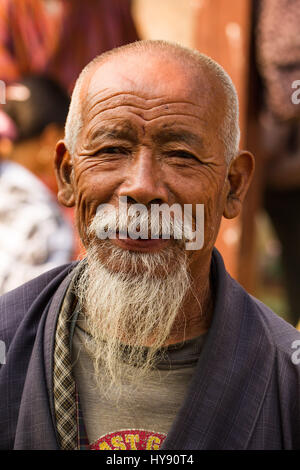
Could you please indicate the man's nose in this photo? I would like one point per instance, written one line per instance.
(144, 181)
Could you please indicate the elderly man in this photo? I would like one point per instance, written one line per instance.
(148, 343)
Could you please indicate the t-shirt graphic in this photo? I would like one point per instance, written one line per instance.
(130, 439)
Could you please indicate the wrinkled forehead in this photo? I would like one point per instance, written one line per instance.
(153, 76)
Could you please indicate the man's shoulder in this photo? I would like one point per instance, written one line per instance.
(250, 318)
(247, 311)
(266, 339)
(15, 304)
(281, 334)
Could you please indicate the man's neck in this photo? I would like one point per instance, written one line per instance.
(196, 314)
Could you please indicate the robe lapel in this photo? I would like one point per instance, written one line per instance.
(232, 374)
(36, 424)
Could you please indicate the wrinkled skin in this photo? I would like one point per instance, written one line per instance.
(151, 133)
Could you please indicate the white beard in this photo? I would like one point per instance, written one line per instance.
(130, 299)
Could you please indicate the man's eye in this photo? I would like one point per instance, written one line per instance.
(113, 150)
(182, 154)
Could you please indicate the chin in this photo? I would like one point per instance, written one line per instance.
(132, 262)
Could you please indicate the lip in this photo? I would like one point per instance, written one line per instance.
(147, 245)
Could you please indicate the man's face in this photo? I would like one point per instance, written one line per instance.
(150, 133)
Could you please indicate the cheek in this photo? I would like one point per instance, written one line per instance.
(213, 213)
(207, 191)
(212, 219)
(210, 192)
(92, 189)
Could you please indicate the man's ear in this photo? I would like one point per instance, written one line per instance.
(63, 172)
(239, 177)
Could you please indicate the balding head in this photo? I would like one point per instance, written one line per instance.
(199, 70)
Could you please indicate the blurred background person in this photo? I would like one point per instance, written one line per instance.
(59, 37)
(276, 28)
(38, 107)
(34, 234)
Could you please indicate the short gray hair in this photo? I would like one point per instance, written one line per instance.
(230, 131)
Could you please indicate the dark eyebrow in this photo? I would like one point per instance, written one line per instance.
(123, 131)
(165, 136)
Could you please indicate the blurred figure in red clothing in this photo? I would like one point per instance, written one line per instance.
(59, 37)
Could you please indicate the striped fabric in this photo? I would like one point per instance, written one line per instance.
(65, 396)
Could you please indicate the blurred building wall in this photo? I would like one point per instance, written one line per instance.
(166, 19)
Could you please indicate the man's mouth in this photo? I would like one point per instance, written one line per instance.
(139, 244)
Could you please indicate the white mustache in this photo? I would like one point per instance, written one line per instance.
(107, 223)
